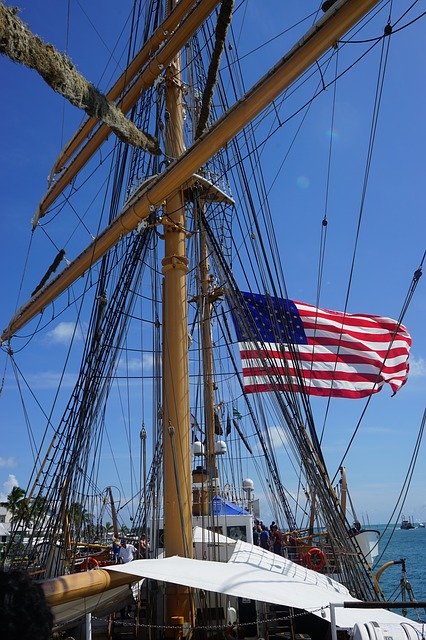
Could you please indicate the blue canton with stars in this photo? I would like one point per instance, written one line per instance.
(269, 319)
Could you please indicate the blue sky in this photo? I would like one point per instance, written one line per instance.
(35, 123)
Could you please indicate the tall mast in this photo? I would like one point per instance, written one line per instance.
(113, 513)
(207, 354)
(176, 421)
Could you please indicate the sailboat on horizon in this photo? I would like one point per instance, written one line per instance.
(154, 301)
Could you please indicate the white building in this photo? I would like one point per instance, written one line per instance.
(5, 517)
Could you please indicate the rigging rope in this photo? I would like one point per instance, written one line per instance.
(223, 22)
(405, 486)
(55, 264)
(19, 44)
(188, 551)
(412, 288)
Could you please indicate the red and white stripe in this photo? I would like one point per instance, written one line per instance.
(347, 356)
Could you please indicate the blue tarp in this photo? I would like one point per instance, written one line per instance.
(222, 507)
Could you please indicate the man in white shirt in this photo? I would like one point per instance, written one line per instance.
(127, 552)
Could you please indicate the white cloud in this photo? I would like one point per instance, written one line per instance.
(8, 486)
(7, 462)
(51, 380)
(378, 429)
(277, 438)
(417, 367)
(64, 332)
(146, 362)
(132, 364)
(46, 380)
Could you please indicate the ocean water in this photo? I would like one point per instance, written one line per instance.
(409, 545)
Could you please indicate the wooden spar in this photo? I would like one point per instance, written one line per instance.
(177, 492)
(80, 585)
(175, 43)
(113, 513)
(161, 34)
(334, 24)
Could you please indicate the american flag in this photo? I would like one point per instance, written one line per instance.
(294, 346)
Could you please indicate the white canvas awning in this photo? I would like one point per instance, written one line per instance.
(261, 575)
(201, 535)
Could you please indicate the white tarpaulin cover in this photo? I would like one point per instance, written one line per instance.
(260, 575)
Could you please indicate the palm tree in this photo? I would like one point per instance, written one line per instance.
(39, 511)
(13, 500)
(79, 518)
(18, 506)
(108, 528)
(39, 506)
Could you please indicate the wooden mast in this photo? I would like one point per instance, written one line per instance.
(207, 357)
(176, 416)
(113, 513)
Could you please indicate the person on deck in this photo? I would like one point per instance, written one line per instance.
(115, 549)
(356, 528)
(143, 547)
(256, 534)
(264, 538)
(234, 632)
(292, 547)
(277, 541)
(127, 552)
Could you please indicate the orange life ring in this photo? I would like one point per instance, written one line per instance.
(89, 563)
(315, 559)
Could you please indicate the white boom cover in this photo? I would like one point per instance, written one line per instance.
(264, 576)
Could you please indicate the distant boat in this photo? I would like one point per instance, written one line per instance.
(407, 524)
